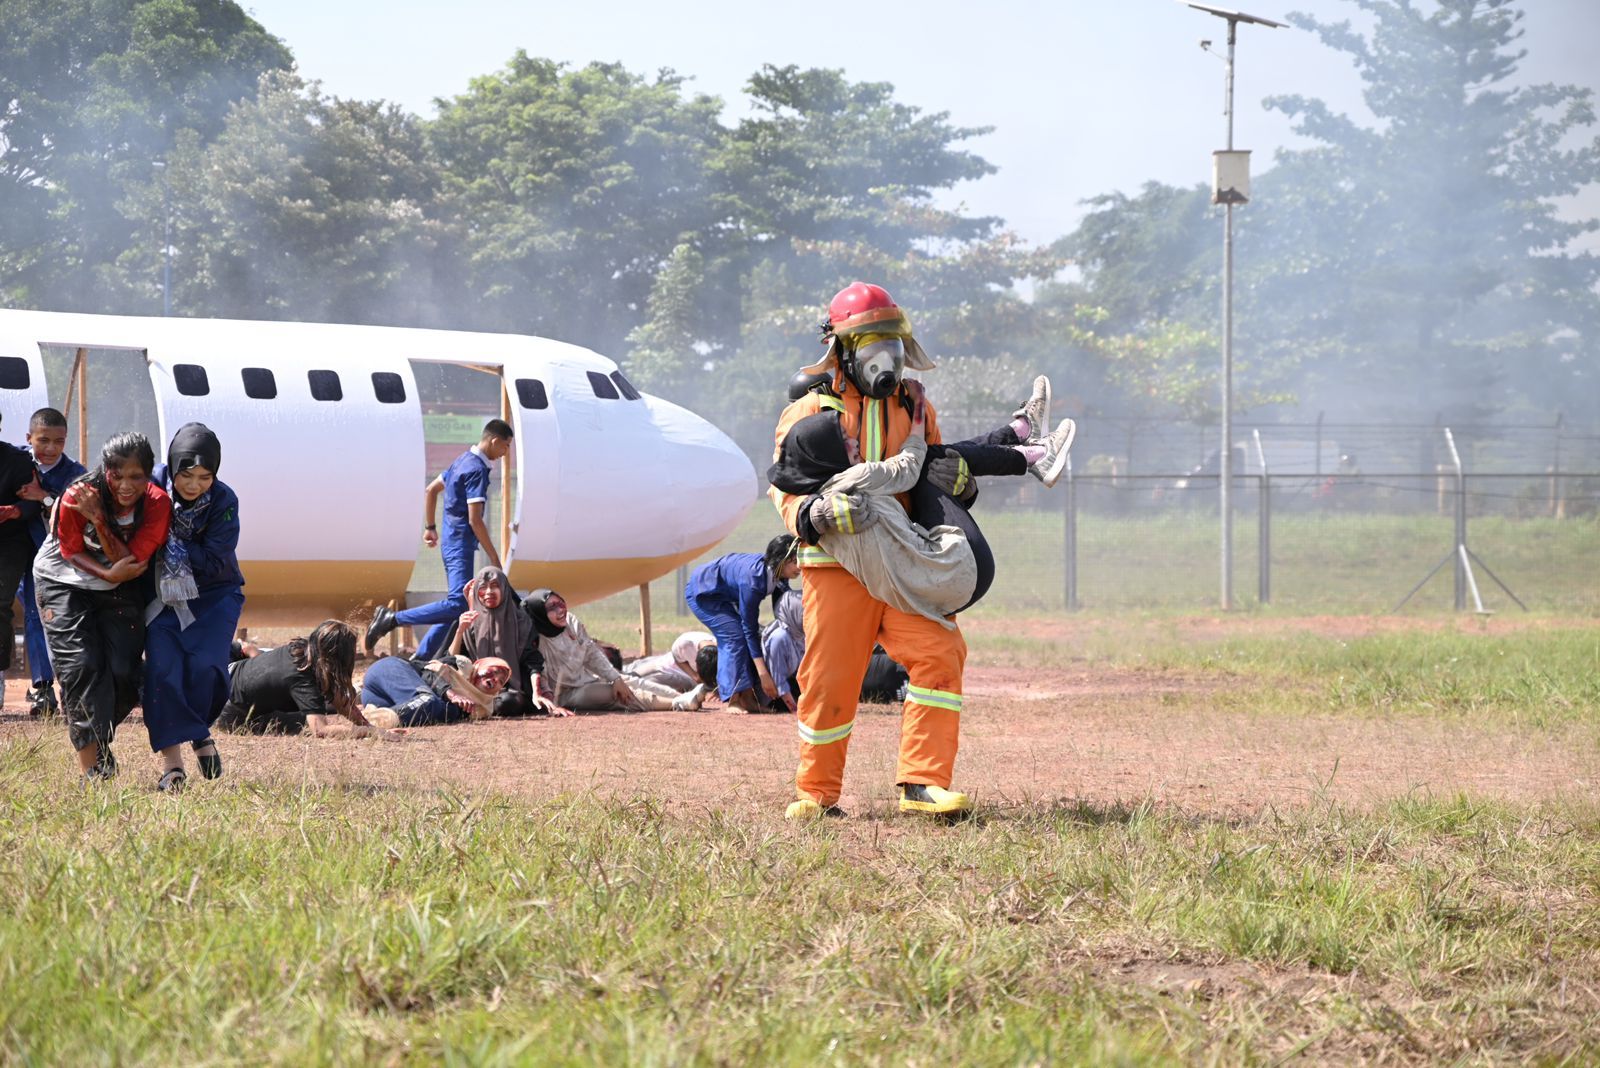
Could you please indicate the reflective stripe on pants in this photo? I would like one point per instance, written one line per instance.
(842, 623)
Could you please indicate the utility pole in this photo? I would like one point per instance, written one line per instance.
(166, 242)
(1230, 186)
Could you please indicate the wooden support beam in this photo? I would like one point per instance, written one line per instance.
(77, 386)
(645, 636)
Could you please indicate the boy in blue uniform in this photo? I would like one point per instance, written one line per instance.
(465, 488)
(55, 471)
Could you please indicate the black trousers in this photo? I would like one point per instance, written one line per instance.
(991, 454)
(96, 639)
(16, 560)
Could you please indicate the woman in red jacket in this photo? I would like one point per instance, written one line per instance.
(105, 529)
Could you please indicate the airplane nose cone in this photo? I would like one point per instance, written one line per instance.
(633, 496)
(712, 482)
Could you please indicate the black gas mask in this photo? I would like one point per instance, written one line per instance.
(877, 366)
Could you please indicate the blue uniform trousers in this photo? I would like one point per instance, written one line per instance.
(458, 553)
(33, 635)
(736, 671)
(394, 682)
(186, 679)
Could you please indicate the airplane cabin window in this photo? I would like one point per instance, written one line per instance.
(14, 373)
(602, 386)
(325, 385)
(191, 380)
(623, 384)
(389, 387)
(259, 384)
(530, 392)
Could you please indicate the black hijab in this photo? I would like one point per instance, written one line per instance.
(812, 452)
(194, 445)
(535, 607)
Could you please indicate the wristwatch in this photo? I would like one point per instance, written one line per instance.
(48, 502)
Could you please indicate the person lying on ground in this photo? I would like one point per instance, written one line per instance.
(303, 685)
(934, 560)
(684, 668)
(577, 676)
(452, 689)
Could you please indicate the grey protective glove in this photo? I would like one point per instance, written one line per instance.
(839, 513)
(950, 474)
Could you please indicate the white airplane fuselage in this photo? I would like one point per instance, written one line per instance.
(322, 436)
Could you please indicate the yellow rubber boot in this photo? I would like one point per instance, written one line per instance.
(807, 809)
(932, 800)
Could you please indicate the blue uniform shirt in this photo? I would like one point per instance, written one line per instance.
(465, 481)
(740, 583)
(55, 481)
(214, 549)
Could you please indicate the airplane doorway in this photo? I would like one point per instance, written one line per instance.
(456, 400)
(102, 391)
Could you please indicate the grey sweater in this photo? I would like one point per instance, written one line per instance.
(926, 572)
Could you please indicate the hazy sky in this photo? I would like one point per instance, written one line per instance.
(1085, 98)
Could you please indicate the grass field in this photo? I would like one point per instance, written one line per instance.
(280, 917)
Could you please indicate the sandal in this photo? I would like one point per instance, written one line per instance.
(210, 763)
(173, 781)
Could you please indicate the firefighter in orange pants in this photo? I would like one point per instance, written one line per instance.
(869, 347)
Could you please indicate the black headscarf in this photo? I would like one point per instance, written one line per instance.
(535, 607)
(812, 452)
(194, 445)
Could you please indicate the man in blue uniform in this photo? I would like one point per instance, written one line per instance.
(47, 442)
(726, 596)
(465, 487)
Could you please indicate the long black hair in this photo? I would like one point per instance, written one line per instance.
(330, 654)
(777, 553)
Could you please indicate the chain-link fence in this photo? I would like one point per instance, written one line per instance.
(1342, 543)
(1347, 539)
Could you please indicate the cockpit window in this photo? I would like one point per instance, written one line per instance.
(603, 387)
(624, 385)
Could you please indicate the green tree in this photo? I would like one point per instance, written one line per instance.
(92, 94)
(1405, 268)
(1424, 258)
(575, 187)
(829, 181)
(305, 207)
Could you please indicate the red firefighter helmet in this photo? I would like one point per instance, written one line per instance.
(860, 309)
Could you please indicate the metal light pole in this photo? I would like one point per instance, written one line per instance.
(166, 243)
(1230, 186)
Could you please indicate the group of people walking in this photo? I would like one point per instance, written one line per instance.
(132, 590)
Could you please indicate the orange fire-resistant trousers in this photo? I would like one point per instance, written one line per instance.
(842, 622)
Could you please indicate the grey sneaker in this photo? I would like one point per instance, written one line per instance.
(1036, 409)
(691, 700)
(1054, 461)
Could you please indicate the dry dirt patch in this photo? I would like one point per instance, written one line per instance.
(1086, 732)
